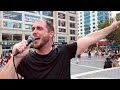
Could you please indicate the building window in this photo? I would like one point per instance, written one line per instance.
(72, 18)
(73, 12)
(72, 38)
(61, 15)
(9, 24)
(72, 25)
(12, 15)
(72, 32)
(61, 23)
(17, 37)
(62, 30)
(61, 39)
(6, 37)
(31, 18)
(47, 13)
(93, 15)
(36, 12)
(28, 26)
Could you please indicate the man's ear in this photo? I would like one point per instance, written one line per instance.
(51, 34)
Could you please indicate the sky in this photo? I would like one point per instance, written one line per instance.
(114, 13)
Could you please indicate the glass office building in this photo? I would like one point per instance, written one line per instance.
(88, 21)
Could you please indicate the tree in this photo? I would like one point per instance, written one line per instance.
(115, 35)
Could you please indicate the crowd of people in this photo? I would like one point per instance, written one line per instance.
(5, 57)
(112, 60)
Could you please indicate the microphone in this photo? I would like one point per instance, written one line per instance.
(30, 39)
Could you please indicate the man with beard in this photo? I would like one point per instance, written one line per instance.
(45, 62)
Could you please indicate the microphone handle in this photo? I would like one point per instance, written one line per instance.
(16, 53)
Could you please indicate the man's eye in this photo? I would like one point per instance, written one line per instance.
(33, 28)
(39, 28)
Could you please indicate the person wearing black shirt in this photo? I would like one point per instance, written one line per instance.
(44, 62)
(108, 63)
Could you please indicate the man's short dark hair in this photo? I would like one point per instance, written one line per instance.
(108, 58)
(49, 26)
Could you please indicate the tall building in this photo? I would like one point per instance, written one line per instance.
(88, 21)
(16, 25)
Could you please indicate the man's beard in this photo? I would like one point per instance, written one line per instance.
(43, 43)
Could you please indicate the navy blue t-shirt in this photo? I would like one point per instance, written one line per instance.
(55, 65)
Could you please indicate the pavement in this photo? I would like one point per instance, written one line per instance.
(92, 69)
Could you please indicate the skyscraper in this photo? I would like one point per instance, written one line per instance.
(88, 21)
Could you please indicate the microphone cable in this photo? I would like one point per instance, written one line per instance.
(15, 66)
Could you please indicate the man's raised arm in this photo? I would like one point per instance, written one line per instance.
(94, 37)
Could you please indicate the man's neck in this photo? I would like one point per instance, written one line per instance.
(44, 50)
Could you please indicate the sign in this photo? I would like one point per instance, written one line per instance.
(6, 43)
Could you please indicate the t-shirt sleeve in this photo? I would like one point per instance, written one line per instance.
(71, 49)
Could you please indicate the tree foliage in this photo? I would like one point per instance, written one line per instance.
(115, 35)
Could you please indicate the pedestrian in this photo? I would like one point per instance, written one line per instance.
(89, 54)
(78, 58)
(108, 63)
(44, 62)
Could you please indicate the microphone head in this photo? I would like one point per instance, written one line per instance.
(30, 39)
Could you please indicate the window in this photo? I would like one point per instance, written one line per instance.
(61, 39)
(30, 18)
(93, 15)
(28, 26)
(36, 12)
(61, 23)
(9, 24)
(6, 37)
(47, 13)
(12, 15)
(72, 18)
(72, 25)
(62, 30)
(72, 38)
(73, 12)
(61, 15)
(72, 32)
(17, 37)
